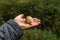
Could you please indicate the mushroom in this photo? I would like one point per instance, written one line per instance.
(29, 19)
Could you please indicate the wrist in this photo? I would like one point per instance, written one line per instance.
(18, 24)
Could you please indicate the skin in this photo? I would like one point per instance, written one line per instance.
(21, 22)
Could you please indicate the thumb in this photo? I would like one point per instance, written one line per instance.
(21, 16)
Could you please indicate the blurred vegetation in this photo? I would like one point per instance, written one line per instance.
(46, 10)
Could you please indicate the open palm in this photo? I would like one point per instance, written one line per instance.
(21, 21)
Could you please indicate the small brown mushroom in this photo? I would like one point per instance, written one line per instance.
(29, 19)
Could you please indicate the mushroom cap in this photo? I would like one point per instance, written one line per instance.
(29, 19)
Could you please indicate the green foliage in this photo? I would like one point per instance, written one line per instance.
(46, 10)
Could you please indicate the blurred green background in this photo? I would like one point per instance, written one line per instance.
(48, 11)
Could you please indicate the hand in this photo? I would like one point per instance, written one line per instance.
(21, 22)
